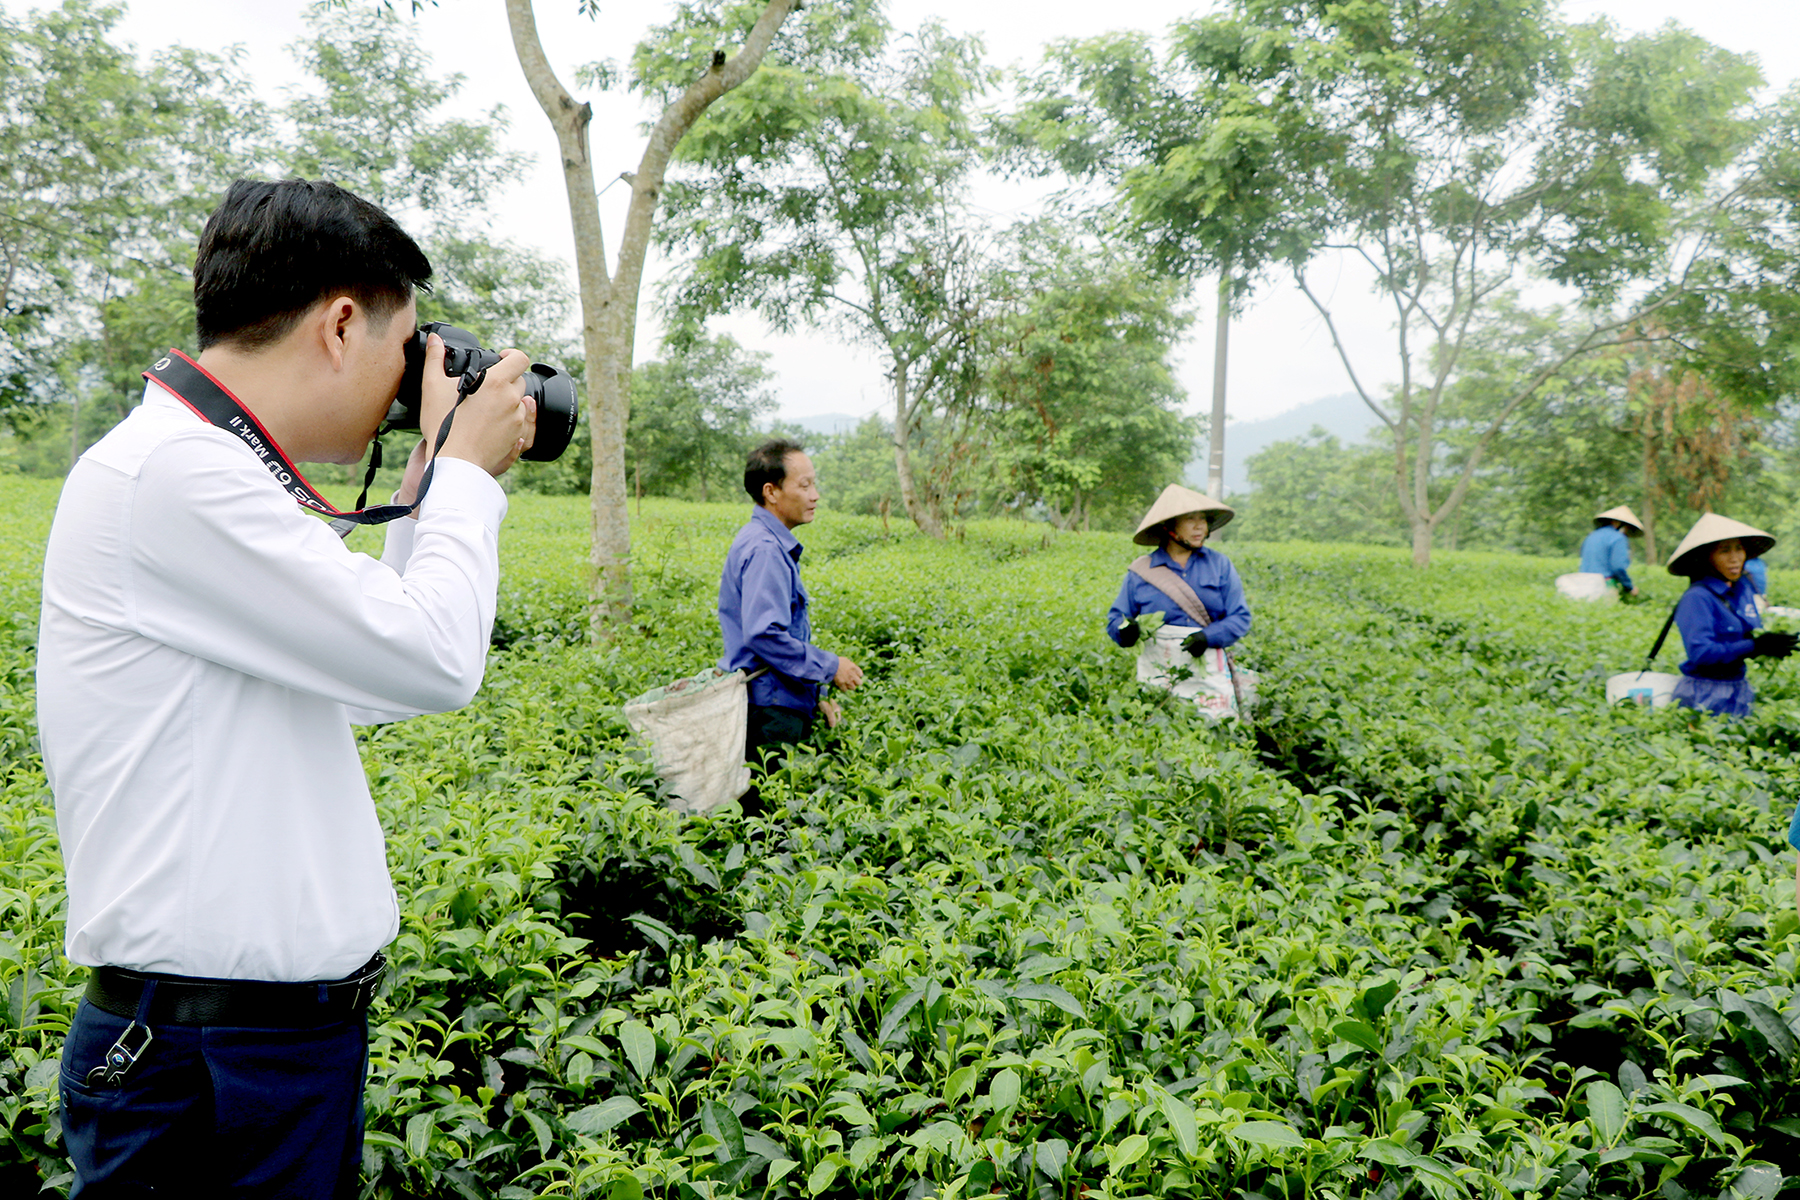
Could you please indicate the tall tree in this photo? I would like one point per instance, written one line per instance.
(693, 416)
(1315, 489)
(97, 158)
(371, 118)
(686, 65)
(1693, 439)
(1457, 148)
(1214, 180)
(370, 115)
(830, 194)
(1086, 408)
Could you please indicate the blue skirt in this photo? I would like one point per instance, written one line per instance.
(1728, 697)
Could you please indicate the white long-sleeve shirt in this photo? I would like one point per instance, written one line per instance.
(204, 647)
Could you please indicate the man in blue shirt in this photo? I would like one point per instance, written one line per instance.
(1605, 552)
(762, 605)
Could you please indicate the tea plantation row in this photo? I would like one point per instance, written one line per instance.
(1438, 923)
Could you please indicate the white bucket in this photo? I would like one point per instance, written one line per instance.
(1654, 688)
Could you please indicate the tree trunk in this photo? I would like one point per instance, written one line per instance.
(1215, 459)
(1649, 491)
(609, 300)
(1421, 546)
(922, 513)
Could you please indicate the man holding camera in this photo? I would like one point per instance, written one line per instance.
(763, 608)
(205, 646)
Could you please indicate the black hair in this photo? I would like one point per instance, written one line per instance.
(768, 464)
(270, 251)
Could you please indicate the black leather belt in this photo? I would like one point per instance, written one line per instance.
(247, 1003)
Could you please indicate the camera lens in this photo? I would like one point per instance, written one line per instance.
(558, 407)
(557, 411)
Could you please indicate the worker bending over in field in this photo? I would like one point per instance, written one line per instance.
(763, 608)
(1718, 618)
(1196, 594)
(1605, 557)
(205, 645)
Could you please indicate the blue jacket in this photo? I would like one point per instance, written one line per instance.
(1212, 577)
(1606, 552)
(1757, 571)
(1716, 620)
(762, 612)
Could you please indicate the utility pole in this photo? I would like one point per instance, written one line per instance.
(1215, 463)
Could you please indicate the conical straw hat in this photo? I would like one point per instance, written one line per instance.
(1624, 515)
(1693, 556)
(1178, 501)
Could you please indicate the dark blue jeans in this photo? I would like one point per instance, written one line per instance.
(217, 1111)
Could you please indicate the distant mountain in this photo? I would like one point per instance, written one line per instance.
(823, 423)
(1346, 417)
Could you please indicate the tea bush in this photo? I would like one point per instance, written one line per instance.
(1437, 923)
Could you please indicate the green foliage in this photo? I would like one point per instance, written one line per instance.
(694, 417)
(97, 158)
(828, 191)
(1438, 924)
(1314, 489)
(1087, 422)
(374, 123)
(114, 166)
(856, 468)
(1456, 147)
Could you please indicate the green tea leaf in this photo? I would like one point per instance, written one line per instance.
(1270, 1134)
(541, 1127)
(640, 1047)
(1700, 1121)
(822, 1175)
(1127, 1152)
(718, 1120)
(960, 1083)
(1003, 1089)
(1359, 1033)
(419, 1128)
(1606, 1110)
(1181, 1120)
(1052, 994)
(598, 1118)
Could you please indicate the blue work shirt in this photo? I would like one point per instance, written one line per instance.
(1606, 552)
(1716, 620)
(1757, 572)
(1213, 579)
(762, 612)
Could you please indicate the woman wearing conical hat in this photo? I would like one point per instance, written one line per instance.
(1605, 552)
(1197, 593)
(1717, 615)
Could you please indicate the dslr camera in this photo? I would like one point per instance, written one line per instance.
(464, 354)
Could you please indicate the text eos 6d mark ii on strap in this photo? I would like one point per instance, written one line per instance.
(465, 359)
(188, 382)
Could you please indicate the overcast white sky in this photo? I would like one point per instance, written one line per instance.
(1280, 354)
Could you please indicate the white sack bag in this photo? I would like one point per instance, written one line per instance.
(1583, 585)
(1205, 680)
(695, 729)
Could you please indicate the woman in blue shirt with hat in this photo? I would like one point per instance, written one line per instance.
(1197, 593)
(1717, 615)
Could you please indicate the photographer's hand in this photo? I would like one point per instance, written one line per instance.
(492, 427)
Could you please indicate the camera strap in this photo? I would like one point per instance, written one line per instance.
(188, 382)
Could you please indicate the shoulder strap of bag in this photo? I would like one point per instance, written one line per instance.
(1173, 586)
(1660, 638)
